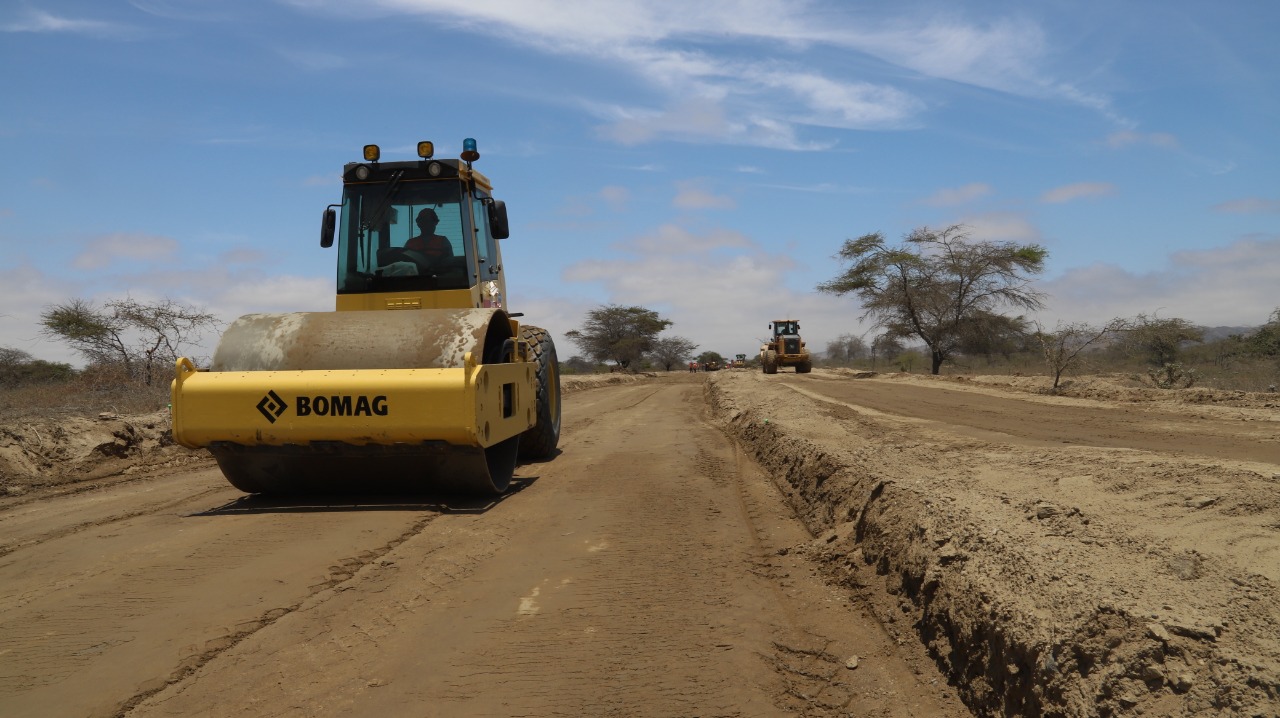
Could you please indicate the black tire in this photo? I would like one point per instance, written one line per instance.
(805, 366)
(540, 441)
(770, 362)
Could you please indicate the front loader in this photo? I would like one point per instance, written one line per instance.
(786, 348)
(420, 380)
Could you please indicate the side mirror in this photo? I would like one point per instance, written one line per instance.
(328, 224)
(498, 226)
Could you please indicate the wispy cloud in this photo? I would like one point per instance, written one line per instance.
(1248, 205)
(1067, 193)
(39, 21)
(102, 251)
(953, 196)
(741, 71)
(615, 197)
(693, 194)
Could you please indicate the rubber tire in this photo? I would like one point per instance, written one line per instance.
(805, 366)
(770, 362)
(540, 441)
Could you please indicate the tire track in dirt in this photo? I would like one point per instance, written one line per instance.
(75, 528)
(340, 573)
(113, 609)
(613, 591)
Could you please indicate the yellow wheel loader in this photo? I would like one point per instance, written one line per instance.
(421, 380)
(786, 348)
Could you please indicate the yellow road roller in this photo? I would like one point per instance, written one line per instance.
(421, 380)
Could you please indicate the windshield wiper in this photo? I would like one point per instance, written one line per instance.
(385, 204)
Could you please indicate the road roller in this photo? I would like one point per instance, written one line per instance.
(420, 380)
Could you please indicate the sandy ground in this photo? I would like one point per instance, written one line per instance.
(1111, 555)
(1113, 551)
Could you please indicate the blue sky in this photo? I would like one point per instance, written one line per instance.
(703, 159)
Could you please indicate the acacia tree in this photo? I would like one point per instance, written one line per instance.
(845, 348)
(669, 351)
(937, 283)
(619, 334)
(1159, 341)
(1062, 346)
(133, 335)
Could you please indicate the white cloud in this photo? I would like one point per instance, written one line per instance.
(832, 103)
(691, 119)
(744, 60)
(102, 251)
(718, 286)
(1067, 193)
(1249, 205)
(964, 194)
(674, 240)
(691, 194)
(27, 292)
(123, 265)
(1228, 286)
(1001, 227)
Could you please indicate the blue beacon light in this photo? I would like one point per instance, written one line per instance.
(469, 152)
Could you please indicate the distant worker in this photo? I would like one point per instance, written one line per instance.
(429, 243)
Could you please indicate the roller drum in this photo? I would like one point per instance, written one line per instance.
(411, 339)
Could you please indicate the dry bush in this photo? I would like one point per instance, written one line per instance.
(93, 391)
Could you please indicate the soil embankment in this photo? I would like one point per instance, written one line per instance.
(1057, 556)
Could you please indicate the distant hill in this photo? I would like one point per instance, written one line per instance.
(1213, 334)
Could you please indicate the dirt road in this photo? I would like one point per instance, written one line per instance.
(651, 569)
(721, 544)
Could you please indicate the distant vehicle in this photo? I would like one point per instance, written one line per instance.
(786, 348)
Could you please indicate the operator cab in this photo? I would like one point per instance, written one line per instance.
(786, 327)
(417, 226)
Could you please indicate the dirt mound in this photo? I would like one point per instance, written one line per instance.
(578, 382)
(43, 454)
(1068, 582)
(1105, 387)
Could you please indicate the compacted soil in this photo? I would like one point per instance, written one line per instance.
(723, 544)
